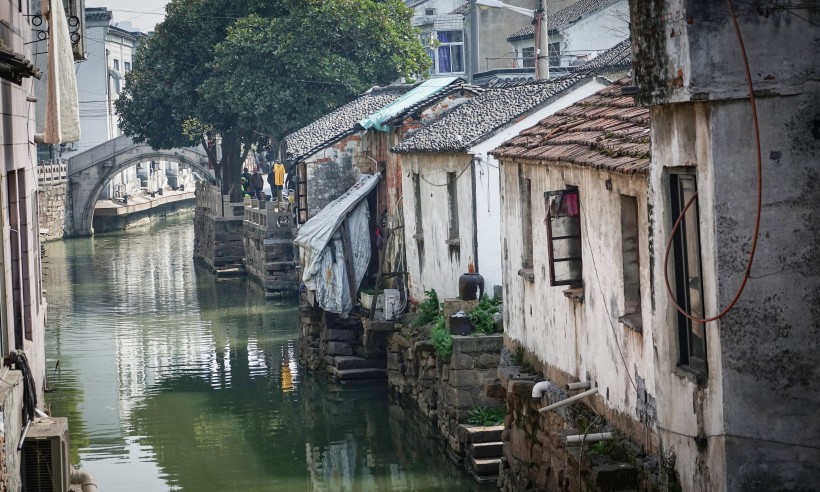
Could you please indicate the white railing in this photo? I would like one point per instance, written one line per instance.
(266, 215)
(52, 173)
(208, 197)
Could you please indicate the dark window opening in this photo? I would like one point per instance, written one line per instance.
(20, 271)
(452, 200)
(417, 205)
(528, 57)
(564, 237)
(631, 262)
(688, 281)
(525, 192)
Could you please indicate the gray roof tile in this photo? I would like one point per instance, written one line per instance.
(342, 122)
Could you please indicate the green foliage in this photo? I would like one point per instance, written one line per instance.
(441, 339)
(615, 449)
(481, 317)
(429, 309)
(482, 415)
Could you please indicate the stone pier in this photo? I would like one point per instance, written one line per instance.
(270, 256)
(52, 191)
(218, 230)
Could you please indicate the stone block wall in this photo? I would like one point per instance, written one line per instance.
(270, 256)
(55, 214)
(218, 241)
(445, 391)
(536, 456)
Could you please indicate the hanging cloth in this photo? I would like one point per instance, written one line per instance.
(62, 123)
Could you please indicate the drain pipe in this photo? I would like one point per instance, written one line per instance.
(539, 389)
(569, 400)
(581, 438)
(581, 385)
(84, 479)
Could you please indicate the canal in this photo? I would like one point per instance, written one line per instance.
(174, 380)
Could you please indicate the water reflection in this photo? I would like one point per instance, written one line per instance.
(173, 380)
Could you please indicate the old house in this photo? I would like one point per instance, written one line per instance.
(323, 155)
(442, 34)
(735, 109)
(577, 33)
(451, 200)
(575, 228)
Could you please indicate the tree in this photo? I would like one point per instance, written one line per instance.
(250, 70)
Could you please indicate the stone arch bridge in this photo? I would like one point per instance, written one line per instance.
(90, 170)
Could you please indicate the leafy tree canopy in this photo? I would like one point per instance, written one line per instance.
(251, 70)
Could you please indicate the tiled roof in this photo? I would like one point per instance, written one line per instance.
(463, 9)
(604, 131)
(618, 57)
(564, 16)
(340, 123)
(470, 122)
(424, 103)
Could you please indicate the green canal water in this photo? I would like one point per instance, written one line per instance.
(174, 380)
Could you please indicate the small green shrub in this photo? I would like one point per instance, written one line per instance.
(428, 309)
(481, 317)
(482, 415)
(441, 339)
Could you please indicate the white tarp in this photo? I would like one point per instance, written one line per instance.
(320, 239)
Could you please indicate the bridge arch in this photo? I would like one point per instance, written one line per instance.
(89, 172)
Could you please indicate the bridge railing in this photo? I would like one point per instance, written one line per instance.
(52, 173)
(266, 215)
(210, 198)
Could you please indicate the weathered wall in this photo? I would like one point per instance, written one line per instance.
(218, 228)
(687, 50)
(11, 410)
(755, 406)
(54, 210)
(331, 172)
(432, 263)
(578, 336)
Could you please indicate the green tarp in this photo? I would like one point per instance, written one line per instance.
(419, 93)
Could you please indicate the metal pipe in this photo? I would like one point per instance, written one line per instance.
(473, 39)
(580, 385)
(23, 436)
(569, 400)
(582, 438)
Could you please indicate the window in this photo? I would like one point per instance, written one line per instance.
(452, 199)
(417, 206)
(524, 191)
(116, 64)
(20, 273)
(631, 263)
(127, 66)
(450, 53)
(564, 237)
(688, 282)
(429, 11)
(528, 57)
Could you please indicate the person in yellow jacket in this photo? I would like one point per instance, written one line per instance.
(276, 179)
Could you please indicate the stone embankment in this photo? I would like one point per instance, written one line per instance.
(270, 256)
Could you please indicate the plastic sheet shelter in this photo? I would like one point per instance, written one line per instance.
(335, 248)
(416, 95)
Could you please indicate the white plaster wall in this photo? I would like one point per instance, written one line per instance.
(598, 32)
(681, 137)
(92, 85)
(487, 186)
(579, 339)
(440, 269)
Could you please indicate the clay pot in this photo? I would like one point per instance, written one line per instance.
(470, 286)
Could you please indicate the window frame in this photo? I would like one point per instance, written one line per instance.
(435, 51)
(688, 358)
(576, 280)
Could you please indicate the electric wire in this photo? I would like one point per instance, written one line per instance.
(755, 236)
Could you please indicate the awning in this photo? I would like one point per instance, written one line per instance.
(62, 107)
(324, 256)
(418, 94)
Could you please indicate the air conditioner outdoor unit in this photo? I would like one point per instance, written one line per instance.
(45, 466)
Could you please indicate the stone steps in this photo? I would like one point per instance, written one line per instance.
(345, 362)
(480, 433)
(487, 449)
(358, 374)
(484, 468)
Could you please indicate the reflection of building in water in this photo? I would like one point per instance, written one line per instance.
(290, 369)
(338, 467)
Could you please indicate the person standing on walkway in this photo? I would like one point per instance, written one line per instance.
(278, 181)
(270, 157)
(258, 185)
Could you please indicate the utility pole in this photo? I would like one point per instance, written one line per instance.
(542, 56)
(473, 38)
